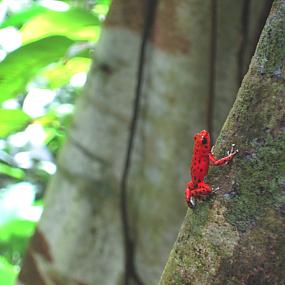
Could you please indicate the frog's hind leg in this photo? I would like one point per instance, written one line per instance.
(202, 189)
(188, 194)
(188, 191)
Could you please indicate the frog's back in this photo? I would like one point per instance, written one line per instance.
(200, 159)
(199, 167)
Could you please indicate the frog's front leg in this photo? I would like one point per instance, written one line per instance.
(225, 159)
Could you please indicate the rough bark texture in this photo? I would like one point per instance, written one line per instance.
(237, 237)
(81, 237)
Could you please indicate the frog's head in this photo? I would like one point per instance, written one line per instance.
(202, 141)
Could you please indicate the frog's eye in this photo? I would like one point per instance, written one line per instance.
(204, 141)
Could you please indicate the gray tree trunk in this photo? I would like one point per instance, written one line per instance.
(80, 238)
(238, 236)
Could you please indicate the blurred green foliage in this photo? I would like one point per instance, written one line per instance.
(75, 23)
(20, 66)
(12, 121)
(45, 53)
(8, 272)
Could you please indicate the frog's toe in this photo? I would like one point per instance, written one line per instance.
(192, 203)
(216, 189)
(233, 150)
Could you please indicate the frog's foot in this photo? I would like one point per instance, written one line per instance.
(215, 190)
(233, 151)
(213, 193)
(192, 202)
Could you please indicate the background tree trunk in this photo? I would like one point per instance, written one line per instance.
(238, 237)
(80, 238)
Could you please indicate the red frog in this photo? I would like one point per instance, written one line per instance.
(202, 156)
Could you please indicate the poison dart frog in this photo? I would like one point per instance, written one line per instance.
(202, 156)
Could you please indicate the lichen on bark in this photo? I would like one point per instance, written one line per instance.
(237, 236)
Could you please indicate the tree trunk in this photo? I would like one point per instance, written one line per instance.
(238, 236)
(95, 218)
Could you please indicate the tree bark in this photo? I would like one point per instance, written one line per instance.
(80, 238)
(238, 236)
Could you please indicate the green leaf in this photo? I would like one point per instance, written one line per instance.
(75, 23)
(13, 172)
(21, 65)
(60, 73)
(8, 272)
(39, 203)
(103, 2)
(22, 228)
(102, 7)
(22, 17)
(12, 121)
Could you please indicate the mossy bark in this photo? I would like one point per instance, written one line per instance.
(237, 236)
